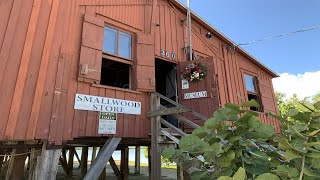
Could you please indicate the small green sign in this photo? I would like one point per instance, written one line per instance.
(108, 116)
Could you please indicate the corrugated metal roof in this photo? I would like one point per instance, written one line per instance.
(254, 60)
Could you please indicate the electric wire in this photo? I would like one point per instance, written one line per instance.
(281, 35)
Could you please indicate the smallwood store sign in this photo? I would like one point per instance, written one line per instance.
(103, 104)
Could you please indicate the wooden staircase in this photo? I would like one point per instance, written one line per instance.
(164, 137)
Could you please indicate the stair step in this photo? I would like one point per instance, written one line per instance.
(168, 111)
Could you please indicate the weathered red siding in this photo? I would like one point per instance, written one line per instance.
(40, 43)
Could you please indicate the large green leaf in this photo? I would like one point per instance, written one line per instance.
(254, 122)
(225, 178)
(267, 176)
(284, 170)
(226, 159)
(317, 105)
(257, 168)
(291, 154)
(310, 172)
(217, 148)
(168, 153)
(313, 154)
(201, 132)
(251, 103)
(189, 143)
(300, 127)
(265, 131)
(296, 132)
(284, 144)
(315, 163)
(292, 112)
(240, 174)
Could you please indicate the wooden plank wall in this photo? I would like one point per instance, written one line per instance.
(39, 59)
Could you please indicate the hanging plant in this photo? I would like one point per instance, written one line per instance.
(194, 72)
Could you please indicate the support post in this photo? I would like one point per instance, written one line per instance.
(137, 160)
(70, 162)
(16, 164)
(47, 165)
(94, 154)
(104, 155)
(84, 162)
(155, 135)
(35, 153)
(1, 158)
(115, 168)
(179, 173)
(124, 164)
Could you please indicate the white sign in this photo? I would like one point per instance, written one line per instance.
(107, 123)
(185, 84)
(96, 103)
(195, 95)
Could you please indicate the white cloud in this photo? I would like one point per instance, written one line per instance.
(307, 84)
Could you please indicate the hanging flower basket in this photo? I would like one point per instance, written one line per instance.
(194, 72)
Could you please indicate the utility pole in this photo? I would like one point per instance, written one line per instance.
(190, 29)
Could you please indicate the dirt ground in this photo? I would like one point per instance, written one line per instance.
(167, 174)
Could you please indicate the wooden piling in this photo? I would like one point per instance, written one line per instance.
(16, 165)
(47, 165)
(84, 162)
(35, 153)
(137, 160)
(124, 164)
(70, 161)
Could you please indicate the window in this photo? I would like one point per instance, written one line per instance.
(117, 53)
(252, 91)
(116, 42)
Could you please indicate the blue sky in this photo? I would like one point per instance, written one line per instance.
(247, 20)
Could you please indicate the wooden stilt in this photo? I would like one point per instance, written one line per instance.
(179, 173)
(104, 155)
(124, 164)
(77, 156)
(16, 165)
(84, 162)
(35, 153)
(47, 165)
(115, 168)
(1, 158)
(94, 153)
(149, 161)
(155, 138)
(63, 161)
(5, 164)
(103, 175)
(70, 162)
(137, 160)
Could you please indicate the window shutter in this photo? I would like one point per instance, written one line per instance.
(145, 64)
(266, 96)
(91, 50)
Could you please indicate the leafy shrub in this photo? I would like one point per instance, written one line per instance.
(234, 144)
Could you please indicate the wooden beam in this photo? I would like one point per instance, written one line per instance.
(180, 105)
(187, 121)
(167, 111)
(115, 168)
(35, 153)
(94, 153)
(70, 161)
(179, 173)
(170, 136)
(137, 160)
(77, 156)
(155, 138)
(63, 161)
(104, 155)
(124, 163)
(177, 130)
(47, 165)
(84, 162)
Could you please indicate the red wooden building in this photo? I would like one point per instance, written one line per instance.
(51, 50)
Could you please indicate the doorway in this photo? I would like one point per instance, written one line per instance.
(166, 84)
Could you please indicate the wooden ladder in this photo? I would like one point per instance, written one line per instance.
(163, 137)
